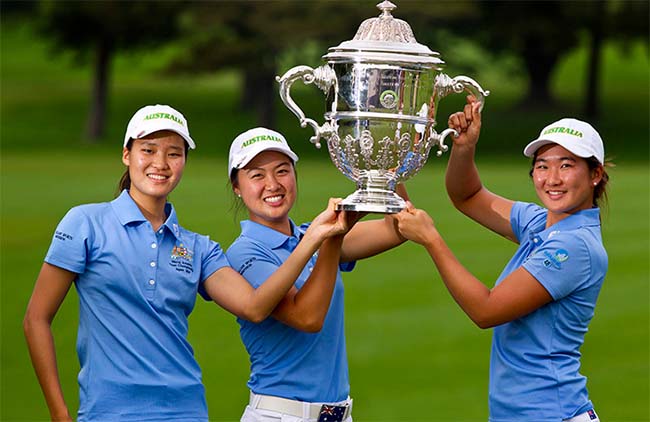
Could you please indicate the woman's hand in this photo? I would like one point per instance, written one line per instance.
(331, 222)
(415, 225)
(467, 123)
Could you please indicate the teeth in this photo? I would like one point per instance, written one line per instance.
(273, 198)
(157, 176)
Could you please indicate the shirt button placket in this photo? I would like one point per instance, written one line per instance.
(151, 282)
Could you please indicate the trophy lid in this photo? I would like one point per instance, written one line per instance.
(384, 39)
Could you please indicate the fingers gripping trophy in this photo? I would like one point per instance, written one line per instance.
(382, 91)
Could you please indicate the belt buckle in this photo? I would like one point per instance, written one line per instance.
(331, 413)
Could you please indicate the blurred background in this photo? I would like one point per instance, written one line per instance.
(72, 74)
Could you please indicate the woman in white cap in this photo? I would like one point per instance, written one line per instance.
(137, 273)
(543, 301)
(299, 369)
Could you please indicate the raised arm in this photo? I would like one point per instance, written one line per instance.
(52, 285)
(231, 291)
(462, 180)
(369, 238)
(306, 309)
(517, 295)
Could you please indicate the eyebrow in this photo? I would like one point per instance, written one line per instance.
(555, 159)
(155, 144)
(276, 167)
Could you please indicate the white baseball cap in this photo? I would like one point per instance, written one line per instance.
(250, 143)
(575, 135)
(152, 118)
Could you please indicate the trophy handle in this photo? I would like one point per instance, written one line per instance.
(439, 139)
(445, 85)
(324, 78)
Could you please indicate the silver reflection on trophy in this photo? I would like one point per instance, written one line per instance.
(382, 90)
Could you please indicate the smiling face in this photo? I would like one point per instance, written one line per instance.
(267, 185)
(155, 164)
(563, 182)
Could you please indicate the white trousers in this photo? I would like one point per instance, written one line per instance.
(253, 414)
(588, 416)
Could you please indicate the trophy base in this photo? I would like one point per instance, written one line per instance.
(374, 201)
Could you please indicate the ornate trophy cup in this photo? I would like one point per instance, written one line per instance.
(382, 92)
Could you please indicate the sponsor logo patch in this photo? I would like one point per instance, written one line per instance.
(555, 259)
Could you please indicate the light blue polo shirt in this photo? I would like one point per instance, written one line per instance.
(136, 289)
(286, 362)
(535, 360)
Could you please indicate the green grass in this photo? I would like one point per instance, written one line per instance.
(413, 354)
(410, 347)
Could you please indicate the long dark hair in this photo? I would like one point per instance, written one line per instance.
(237, 204)
(600, 190)
(125, 180)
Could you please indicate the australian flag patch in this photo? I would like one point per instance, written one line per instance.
(330, 413)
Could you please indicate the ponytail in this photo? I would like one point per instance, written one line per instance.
(600, 190)
(124, 183)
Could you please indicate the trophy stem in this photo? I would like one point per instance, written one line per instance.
(374, 194)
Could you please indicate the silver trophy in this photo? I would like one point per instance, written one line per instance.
(382, 91)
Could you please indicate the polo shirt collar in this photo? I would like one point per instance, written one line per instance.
(588, 217)
(268, 236)
(172, 221)
(585, 218)
(127, 211)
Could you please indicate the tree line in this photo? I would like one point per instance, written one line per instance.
(251, 35)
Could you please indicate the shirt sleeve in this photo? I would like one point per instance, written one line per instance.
(70, 242)
(562, 264)
(214, 260)
(523, 216)
(252, 262)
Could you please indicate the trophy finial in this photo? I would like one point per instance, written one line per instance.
(384, 37)
(386, 7)
(385, 28)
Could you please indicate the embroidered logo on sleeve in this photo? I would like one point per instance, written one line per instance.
(181, 259)
(62, 236)
(556, 259)
(246, 265)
